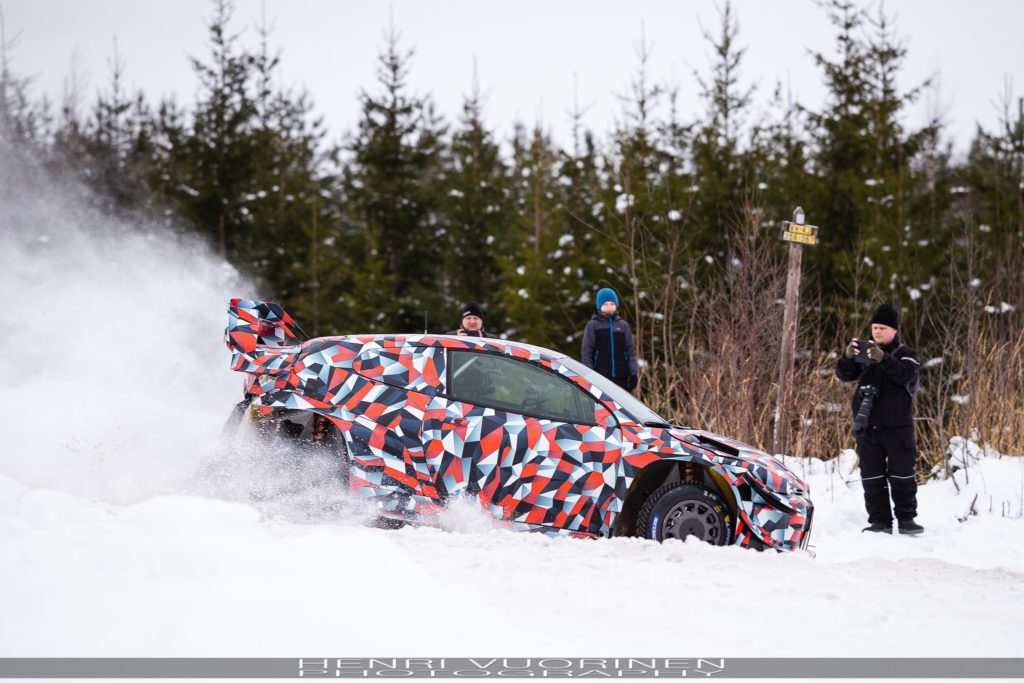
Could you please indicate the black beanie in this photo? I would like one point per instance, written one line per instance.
(472, 308)
(886, 315)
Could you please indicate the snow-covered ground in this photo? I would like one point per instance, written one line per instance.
(127, 530)
(194, 575)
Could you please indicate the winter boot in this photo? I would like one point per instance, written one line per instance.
(909, 526)
(879, 528)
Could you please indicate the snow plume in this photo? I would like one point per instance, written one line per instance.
(286, 480)
(115, 381)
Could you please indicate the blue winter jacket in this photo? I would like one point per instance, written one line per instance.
(608, 346)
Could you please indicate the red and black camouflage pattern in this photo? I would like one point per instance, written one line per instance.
(411, 445)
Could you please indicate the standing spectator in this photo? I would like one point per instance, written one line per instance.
(472, 321)
(608, 343)
(883, 425)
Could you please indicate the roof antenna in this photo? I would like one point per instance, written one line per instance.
(424, 321)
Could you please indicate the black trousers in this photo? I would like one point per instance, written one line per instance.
(888, 459)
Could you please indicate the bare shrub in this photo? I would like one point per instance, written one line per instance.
(721, 374)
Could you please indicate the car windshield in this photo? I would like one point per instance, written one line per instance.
(633, 406)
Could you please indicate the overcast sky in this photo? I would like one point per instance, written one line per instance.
(531, 55)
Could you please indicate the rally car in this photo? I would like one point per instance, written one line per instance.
(540, 440)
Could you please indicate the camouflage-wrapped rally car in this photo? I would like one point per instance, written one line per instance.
(542, 441)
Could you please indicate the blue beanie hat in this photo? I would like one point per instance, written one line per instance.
(604, 295)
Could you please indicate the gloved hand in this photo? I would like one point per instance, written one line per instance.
(876, 354)
(632, 382)
(851, 349)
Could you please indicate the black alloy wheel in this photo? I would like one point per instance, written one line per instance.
(683, 509)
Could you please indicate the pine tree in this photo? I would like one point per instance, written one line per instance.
(635, 199)
(648, 222)
(556, 258)
(531, 294)
(720, 165)
(477, 217)
(217, 162)
(245, 169)
(905, 245)
(285, 208)
(170, 131)
(580, 246)
(842, 154)
(22, 121)
(994, 205)
(118, 145)
(391, 188)
(778, 161)
(864, 179)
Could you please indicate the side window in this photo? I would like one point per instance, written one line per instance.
(517, 386)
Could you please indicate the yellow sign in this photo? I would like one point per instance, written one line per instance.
(796, 232)
(801, 229)
(802, 239)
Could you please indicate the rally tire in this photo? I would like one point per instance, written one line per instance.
(334, 442)
(685, 509)
(235, 419)
(344, 461)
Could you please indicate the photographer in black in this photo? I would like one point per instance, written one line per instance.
(886, 371)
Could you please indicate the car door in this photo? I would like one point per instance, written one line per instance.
(385, 445)
(534, 446)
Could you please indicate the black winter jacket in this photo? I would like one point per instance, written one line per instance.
(608, 346)
(895, 377)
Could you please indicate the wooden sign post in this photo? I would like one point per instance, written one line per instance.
(797, 234)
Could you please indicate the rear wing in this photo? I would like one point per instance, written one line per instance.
(262, 337)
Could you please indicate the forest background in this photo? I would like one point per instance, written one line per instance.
(395, 224)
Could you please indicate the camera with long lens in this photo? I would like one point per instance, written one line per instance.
(868, 393)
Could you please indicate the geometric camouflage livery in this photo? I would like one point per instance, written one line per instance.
(411, 444)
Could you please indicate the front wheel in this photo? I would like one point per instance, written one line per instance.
(683, 509)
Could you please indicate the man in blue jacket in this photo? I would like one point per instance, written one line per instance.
(608, 343)
(884, 422)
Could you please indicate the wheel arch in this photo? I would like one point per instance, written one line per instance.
(656, 475)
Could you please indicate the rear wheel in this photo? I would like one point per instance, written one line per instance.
(238, 414)
(685, 509)
(323, 437)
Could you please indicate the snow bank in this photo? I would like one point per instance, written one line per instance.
(973, 518)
